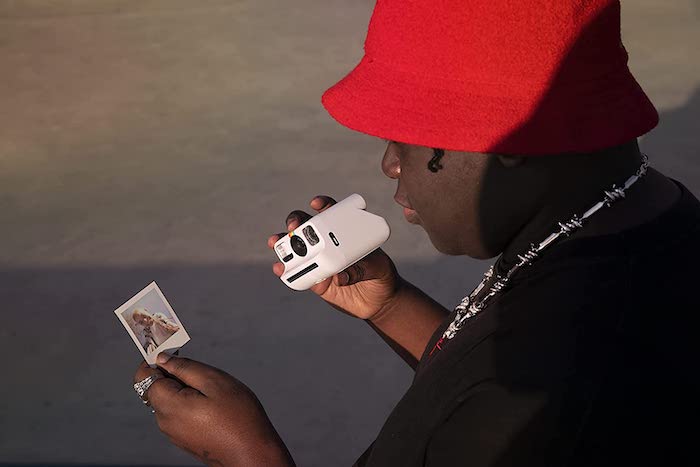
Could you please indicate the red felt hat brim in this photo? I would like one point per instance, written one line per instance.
(575, 117)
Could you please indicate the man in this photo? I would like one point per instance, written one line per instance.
(512, 131)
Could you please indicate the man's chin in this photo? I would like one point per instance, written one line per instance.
(445, 247)
(451, 248)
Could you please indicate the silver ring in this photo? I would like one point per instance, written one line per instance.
(142, 386)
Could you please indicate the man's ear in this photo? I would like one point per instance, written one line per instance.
(509, 161)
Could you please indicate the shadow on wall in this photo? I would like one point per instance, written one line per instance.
(68, 379)
(69, 362)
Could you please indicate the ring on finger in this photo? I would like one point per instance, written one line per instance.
(142, 386)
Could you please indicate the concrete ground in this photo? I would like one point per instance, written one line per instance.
(165, 140)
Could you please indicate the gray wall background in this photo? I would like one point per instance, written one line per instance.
(165, 140)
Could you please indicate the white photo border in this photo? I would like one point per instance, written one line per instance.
(174, 342)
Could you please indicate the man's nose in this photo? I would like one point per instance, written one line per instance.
(390, 162)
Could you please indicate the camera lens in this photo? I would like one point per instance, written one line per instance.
(310, 235)
(298, 245)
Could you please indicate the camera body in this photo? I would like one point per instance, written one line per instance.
(329, 242)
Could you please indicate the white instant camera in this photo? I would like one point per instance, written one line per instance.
(329, 242)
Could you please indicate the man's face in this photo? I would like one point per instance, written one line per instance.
(444, 203)
(466, 207)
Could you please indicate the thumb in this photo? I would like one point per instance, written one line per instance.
(376, 265)
(194, 374)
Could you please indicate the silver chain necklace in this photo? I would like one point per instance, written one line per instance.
(469, 307)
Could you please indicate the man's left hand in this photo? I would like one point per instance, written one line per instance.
(212, 415)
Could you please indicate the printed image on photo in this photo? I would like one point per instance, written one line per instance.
(151, 321)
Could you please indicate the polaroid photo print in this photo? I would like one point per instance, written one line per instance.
(152, 324)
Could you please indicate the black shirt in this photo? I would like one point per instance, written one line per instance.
(589, 357)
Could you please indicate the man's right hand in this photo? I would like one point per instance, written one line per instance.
(363, 290)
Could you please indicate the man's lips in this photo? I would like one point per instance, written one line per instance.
(410, 215)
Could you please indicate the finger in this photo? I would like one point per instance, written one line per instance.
(376, 265)
(296, 218)
(352, 275)
(322, 202)
(370, 267)
(194, 374)
(277, 268)
(273, 239)
(162, 382)
(321, 287)
(144, 371)
(168, 395)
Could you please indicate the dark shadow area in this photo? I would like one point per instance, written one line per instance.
(326, 380)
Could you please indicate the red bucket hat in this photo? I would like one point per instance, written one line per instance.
(512, 77)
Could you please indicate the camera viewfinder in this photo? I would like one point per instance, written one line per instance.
(310, 235)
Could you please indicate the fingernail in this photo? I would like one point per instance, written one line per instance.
(163, 358)
(343, 278)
